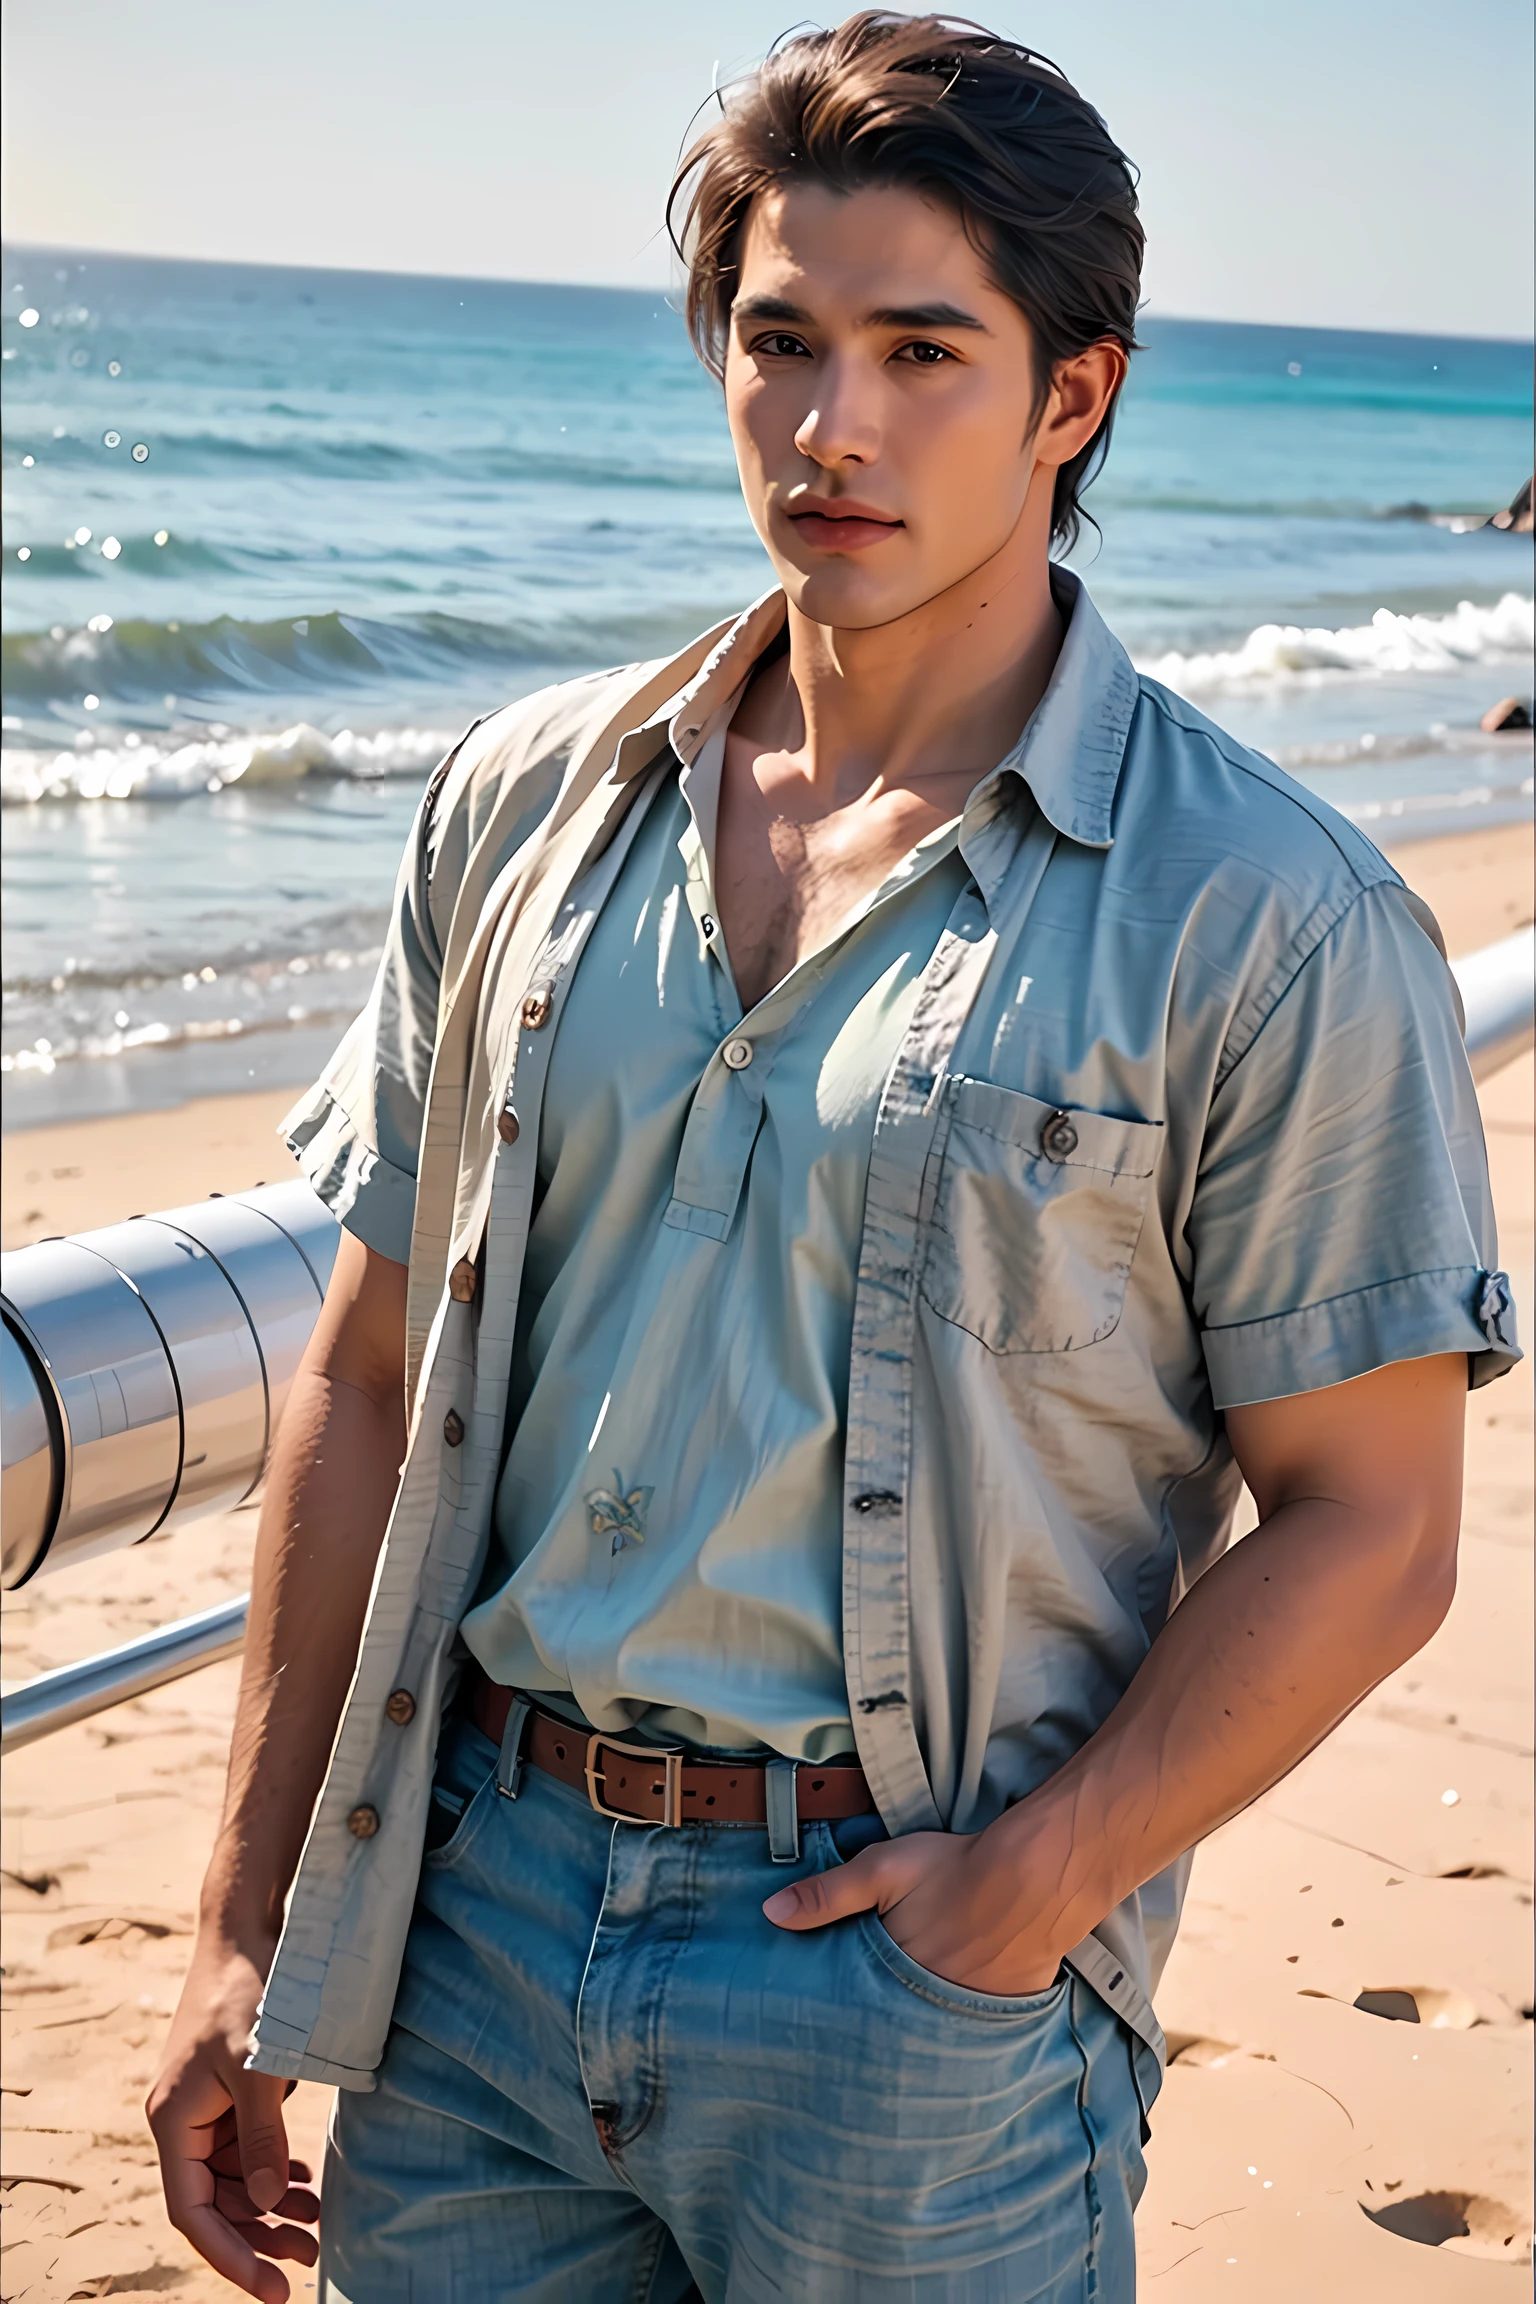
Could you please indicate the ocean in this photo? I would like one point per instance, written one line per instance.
(273, 536)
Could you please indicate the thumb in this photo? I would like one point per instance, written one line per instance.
(263, 2138)
(857, 1886)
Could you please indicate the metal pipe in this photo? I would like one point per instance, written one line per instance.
(145, 1366)
(58, 1699)
(1498, 994)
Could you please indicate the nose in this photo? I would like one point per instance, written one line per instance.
(843, 427)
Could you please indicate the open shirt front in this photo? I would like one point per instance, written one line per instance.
(1179, 1119)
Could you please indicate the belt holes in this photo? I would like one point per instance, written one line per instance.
(709, 1799)
(817, 1782)
(733, 1783)
(559, 1751)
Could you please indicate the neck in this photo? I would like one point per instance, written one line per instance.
(943, 691)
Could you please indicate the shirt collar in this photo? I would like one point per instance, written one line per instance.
(1073, 746)
(1070, 754)
(684, 717)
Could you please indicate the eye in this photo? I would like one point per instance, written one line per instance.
(925, 355)
(778, 344)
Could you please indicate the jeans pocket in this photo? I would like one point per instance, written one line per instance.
(925, 1982)
(962, 1999)
(462, 1791)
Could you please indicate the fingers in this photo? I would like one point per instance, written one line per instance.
(224, 2160)
(858, 1886)
(287, 2241)
(263, 2138)
(232, 2255)
(235, 2205)
(193, 2125)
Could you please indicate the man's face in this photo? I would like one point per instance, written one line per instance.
(879, 389)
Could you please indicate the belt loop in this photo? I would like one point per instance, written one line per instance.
(509, 1761)
(782, 1806)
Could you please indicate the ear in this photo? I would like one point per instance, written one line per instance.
(1083, 389)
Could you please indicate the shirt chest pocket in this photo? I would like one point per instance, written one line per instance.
(1036, 1216)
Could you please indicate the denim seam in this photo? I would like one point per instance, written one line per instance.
(671, 1953)
(1092, 2200)
(645, 2274)
(962, 2003)
(581, 1992)
(464, 1834)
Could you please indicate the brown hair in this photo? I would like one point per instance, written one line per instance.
(938, 104)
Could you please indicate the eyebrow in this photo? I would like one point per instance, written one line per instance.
(886, 316)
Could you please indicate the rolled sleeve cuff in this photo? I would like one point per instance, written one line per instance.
(373, 1200)
(1461, 1309)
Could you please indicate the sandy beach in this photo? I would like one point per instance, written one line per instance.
(1347, 2114)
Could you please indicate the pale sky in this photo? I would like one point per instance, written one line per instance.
(1338, 163)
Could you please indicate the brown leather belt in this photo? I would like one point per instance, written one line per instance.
(649, 1784)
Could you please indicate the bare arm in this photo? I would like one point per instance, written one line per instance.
(330, 1487)
(1350, 1571)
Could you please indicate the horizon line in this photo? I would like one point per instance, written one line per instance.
(50, 248)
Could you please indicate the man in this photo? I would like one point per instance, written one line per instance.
(863, 1134)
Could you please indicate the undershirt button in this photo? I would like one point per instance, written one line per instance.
(737, 1054)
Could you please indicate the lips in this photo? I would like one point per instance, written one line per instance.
(843, 527)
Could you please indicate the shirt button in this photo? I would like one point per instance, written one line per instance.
(453, 1428)
(1058, 1138)
(536, 1007)
(708, 926)
(363, 1823)
(461, 1281)
(506, 1125)
(401, 1708)
(738, 1054)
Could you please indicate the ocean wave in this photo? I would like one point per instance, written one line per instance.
(1503, 803)
(1238, 395)
(139, 661)
(132, 662)
(1275, 654)
(46, 1055)
(147, 768)
(88, 1013)
(696, 466)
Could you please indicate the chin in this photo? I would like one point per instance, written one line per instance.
(850, 598)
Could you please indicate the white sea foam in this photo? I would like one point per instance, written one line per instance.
(1276, 654)
(155, 767)
(167, 768)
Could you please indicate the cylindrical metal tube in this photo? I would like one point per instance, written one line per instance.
(34, 1456)
(58, 1699)
(1498, 995)
(155, 1356)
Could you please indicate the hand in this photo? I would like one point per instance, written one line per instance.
(956, 1901)
(219, 2131)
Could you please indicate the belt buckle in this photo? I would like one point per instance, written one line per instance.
(671, 1759)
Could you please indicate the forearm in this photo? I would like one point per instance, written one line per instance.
(1271, 1649)
(329, 1492)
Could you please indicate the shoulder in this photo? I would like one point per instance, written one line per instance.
(521, 751)
(1215, 799)
(1254, 873)
(504, 776)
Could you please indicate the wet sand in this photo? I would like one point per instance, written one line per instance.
(1303, 2145)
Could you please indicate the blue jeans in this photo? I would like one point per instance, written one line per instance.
(611, 2081)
